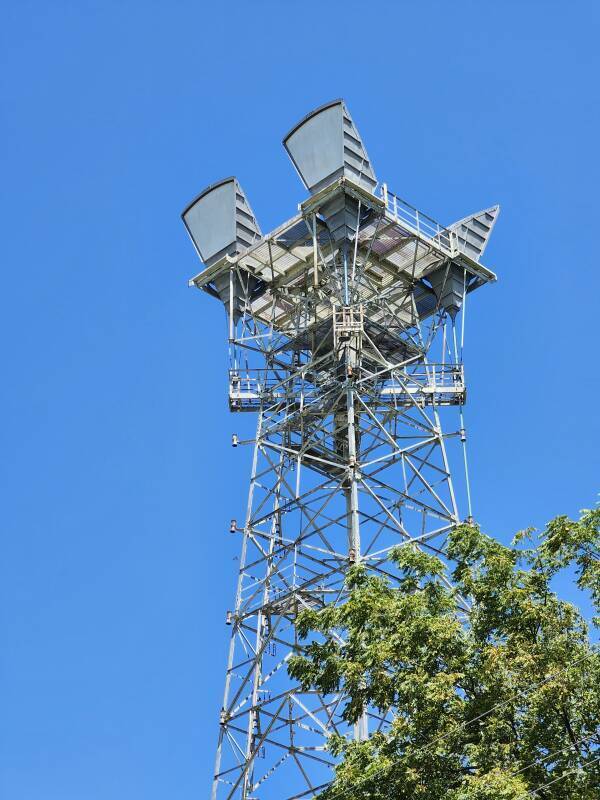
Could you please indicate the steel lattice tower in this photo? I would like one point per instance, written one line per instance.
(346, 328)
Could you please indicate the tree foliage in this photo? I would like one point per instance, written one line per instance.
(490, 679)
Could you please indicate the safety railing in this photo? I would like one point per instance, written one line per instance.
(249, 389)
(424, 226)
(417, 384)
(424, 384)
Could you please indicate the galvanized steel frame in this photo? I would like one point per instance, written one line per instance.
(342, 472)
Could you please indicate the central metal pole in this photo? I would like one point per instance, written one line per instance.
(352, 357)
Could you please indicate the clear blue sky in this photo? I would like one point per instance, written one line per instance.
(118, 475)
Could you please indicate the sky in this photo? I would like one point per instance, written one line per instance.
(118, 474)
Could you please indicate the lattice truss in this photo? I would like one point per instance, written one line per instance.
(346, 330)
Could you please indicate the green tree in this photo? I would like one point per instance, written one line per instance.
(491, 679)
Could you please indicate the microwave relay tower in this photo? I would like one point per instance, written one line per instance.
(346, 330)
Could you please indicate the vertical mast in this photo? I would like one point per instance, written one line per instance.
(338, 327)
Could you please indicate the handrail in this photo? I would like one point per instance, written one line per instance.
(264, 380)
(424, 225)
